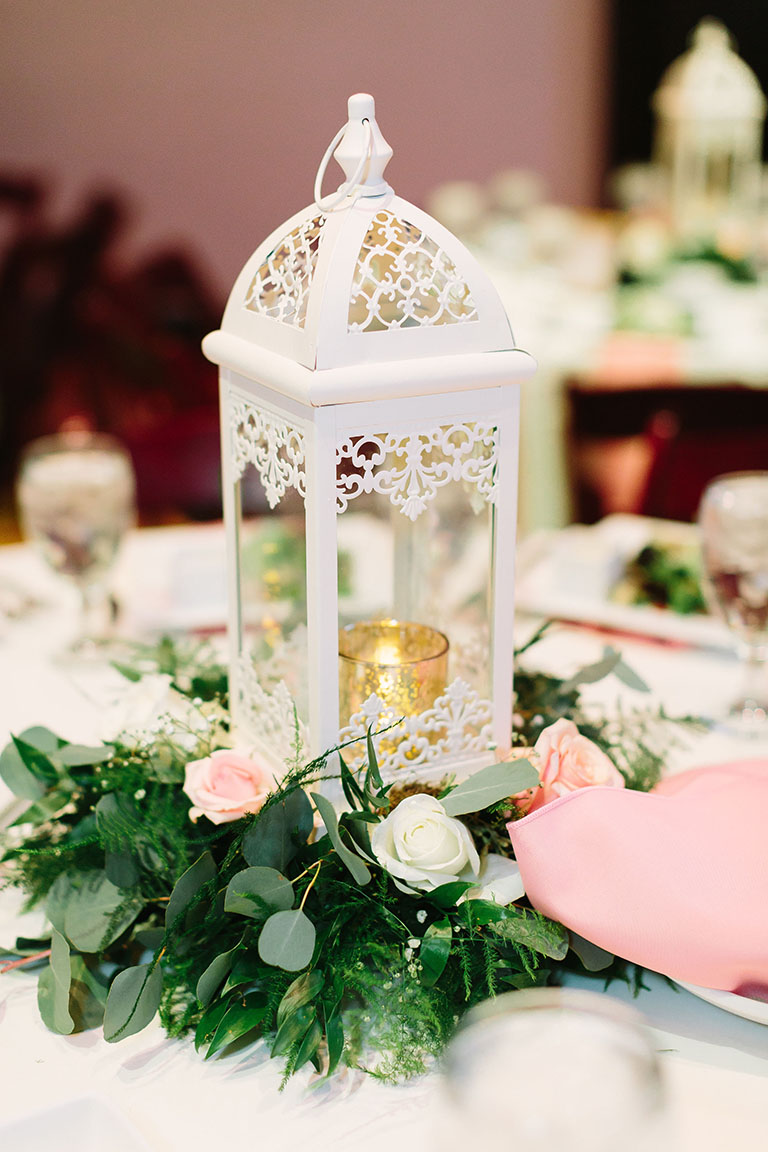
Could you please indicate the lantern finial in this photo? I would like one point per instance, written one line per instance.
(362, 136)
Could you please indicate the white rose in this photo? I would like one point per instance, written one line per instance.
(420, 844)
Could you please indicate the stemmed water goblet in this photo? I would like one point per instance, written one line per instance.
(553, 1068)
(733, 519)
(76, 497)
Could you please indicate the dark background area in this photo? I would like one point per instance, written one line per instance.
(647, 35)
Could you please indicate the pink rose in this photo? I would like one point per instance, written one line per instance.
(567, 761)
(226, 785)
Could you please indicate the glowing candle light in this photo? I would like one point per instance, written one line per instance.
(403, 663)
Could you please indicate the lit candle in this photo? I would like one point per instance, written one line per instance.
(403, 663)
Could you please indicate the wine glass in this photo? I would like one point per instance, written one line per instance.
(547, 1068)
(733, 518)
(76, 497)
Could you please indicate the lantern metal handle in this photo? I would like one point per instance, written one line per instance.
(344, 189)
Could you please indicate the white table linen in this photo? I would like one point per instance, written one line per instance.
(716, 1064)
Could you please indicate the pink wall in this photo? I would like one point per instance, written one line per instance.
(214, 116)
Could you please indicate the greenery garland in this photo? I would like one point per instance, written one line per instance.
(262, 927)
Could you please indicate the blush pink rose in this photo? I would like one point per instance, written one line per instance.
(567, 761)
(226, 785)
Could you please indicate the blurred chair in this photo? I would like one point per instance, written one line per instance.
(118, 350)
(652, 450)
(684, 460)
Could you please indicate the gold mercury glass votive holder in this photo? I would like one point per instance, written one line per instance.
(403, 663)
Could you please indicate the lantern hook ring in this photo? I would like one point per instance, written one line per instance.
(344, 189)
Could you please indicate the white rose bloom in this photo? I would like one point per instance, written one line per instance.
(420, 844)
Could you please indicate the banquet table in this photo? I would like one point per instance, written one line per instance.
(55, 1089)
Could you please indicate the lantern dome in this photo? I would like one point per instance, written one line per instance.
(708, 141)
(364, 278)
(710, 81)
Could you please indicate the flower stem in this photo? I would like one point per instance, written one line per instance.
(25, 960)
(309, 886)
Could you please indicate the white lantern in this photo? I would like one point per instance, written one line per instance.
(709, 130)
(370, 391)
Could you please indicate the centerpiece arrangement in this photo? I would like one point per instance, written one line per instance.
(311, 847)
(177, 876)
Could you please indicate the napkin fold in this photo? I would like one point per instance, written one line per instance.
(675, 880)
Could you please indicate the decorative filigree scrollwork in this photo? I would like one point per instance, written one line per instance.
(274, 447)
(269, 714)
(281, 286)
(410, 467)
(457, 725)
(403, 279)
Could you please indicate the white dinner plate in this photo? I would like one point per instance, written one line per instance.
(745, 1006)
(569, 575)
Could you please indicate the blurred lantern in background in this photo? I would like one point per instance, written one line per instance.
(370, 389)
(708, 141)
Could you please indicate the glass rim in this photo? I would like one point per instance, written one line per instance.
(75, 440)
(436, 654)
(551, 999)
(729, 477)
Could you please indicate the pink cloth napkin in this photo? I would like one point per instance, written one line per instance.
(675, 880)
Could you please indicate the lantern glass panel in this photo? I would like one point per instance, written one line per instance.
(273, 612)
(420, 641)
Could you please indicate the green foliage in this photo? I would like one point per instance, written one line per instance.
(261, 927)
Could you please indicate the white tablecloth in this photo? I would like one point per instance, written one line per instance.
(716, 1064)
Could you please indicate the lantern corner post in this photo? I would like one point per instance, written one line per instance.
(322, 582)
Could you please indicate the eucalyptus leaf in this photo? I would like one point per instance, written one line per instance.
(130, 673)
(303, 989)
(591, 673)
(42, 739)
(629, 677)
(50, 805)
(287, 940)
(81, 755)
(214, 975)
(351, 861)
(89, 909)
(38, 762)
(277, 833)
(434, 951)
(241, 1017)
(253, 889)
(489, 786)
(150, 938)
(133, 1000)
(188, 885)
(122, 869)
(87, 995)
(17, 776)
(593, 958)
(292, 1029)
(53, 988)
